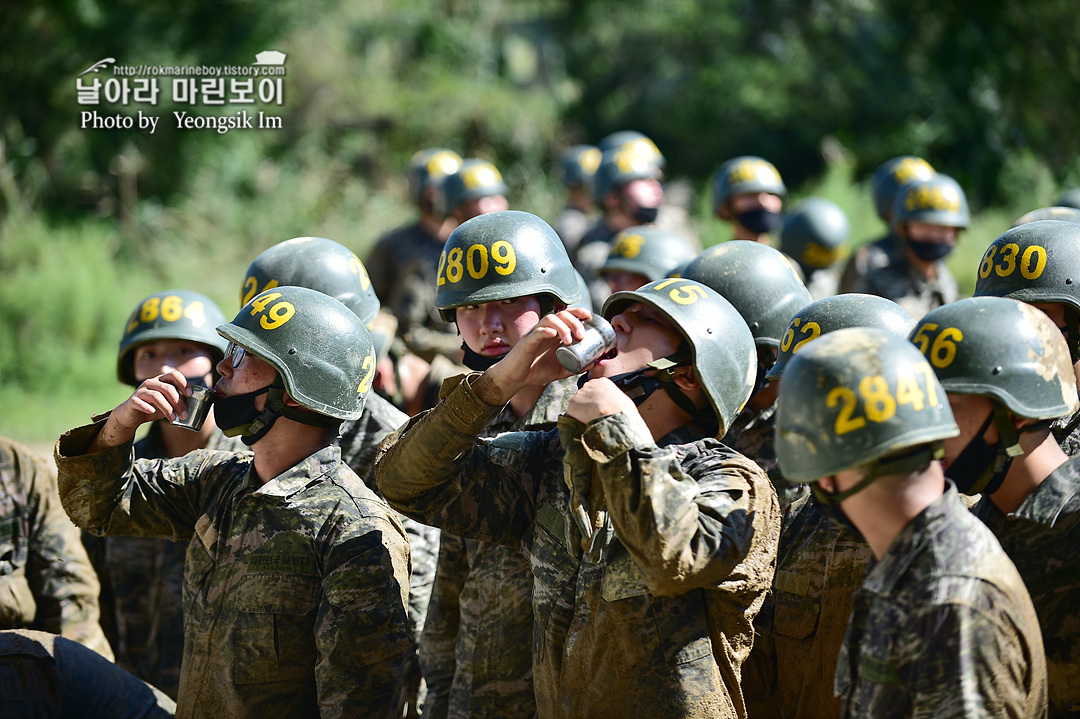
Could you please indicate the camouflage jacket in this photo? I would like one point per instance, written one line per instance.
(359, 439)
(1041, 537)
(476, 649)
(294, 590)
(1067, 433)
(410, 296)
(43, 675)
(880, 268)
(389, 255)
(142, 581)
(942, 627)
(46, 581)
(801, 625)
(655, 619)
(752, 435)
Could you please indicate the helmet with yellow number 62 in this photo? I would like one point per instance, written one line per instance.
(1038, 263)
(322, 352)
(721, 345)
(859, 397)
(318, 264)
(837, 313)
(504, 255)
(170, 315)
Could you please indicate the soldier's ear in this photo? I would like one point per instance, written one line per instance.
(686, 378)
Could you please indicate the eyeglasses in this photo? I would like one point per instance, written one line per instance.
(236, 354)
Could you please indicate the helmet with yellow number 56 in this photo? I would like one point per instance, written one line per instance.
(721, 347)
(504, 255)
(837, 313)
(318, 264)
(322, 353)
(170, 315)
(1038, 263)
(863, 398)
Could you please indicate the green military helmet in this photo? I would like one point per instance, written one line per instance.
(318, 264)
(638, 143)
(741, 175)
(1002, 349)
(428, 168)
(937, 200)
(815, 233)
(503, 255)
(758, 280)
(586, 297)
(321, 350)
(170, 315)
(648, 251)
(893, 174)
(721, 344)
(1069, 198)
(620, 166)
(473, 180)
(836, 313)
(577, 164)
(854, 399)
(1057, 212)
(1038, 263)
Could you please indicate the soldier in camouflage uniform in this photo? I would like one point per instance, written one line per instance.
(820, 563)
(626, 187)
(762, 285)
(942, 625)
(575, 167)
(1038, 263)
(651, 544)
(475, 188)
(889, 177)
(296, 577)
(142, 577)
(908, 265)
(331, 268)
(644, 254)
(423, 238)
(46, 580)
(1007, 372)
(814, 236)
(747, 192)
(477, 645)
(43, 675)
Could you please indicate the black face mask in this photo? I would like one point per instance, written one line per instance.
(981, 467)
(759, 221)
(477, 362)
(646, 215)
(929, 251)
(236, 415)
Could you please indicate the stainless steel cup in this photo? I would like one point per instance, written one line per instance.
(598, 340)
(198, 406)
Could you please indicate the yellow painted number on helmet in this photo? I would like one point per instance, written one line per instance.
(277, 315)
(943, 350)
(196, 313)
(251, 288)
(684, 295)
(627, 245)
(879, 403)
(170, 308)
(368, 368)
(1039, 255)
(358, 269)
(476, 262)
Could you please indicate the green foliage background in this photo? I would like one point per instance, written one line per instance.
(92, 221)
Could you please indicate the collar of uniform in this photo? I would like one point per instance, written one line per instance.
(303, 473)
(884, 575)
(1053, 494)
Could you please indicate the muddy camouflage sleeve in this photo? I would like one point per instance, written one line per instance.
(438, 642)
(436, 470)
(686, 516)
(46, 580)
